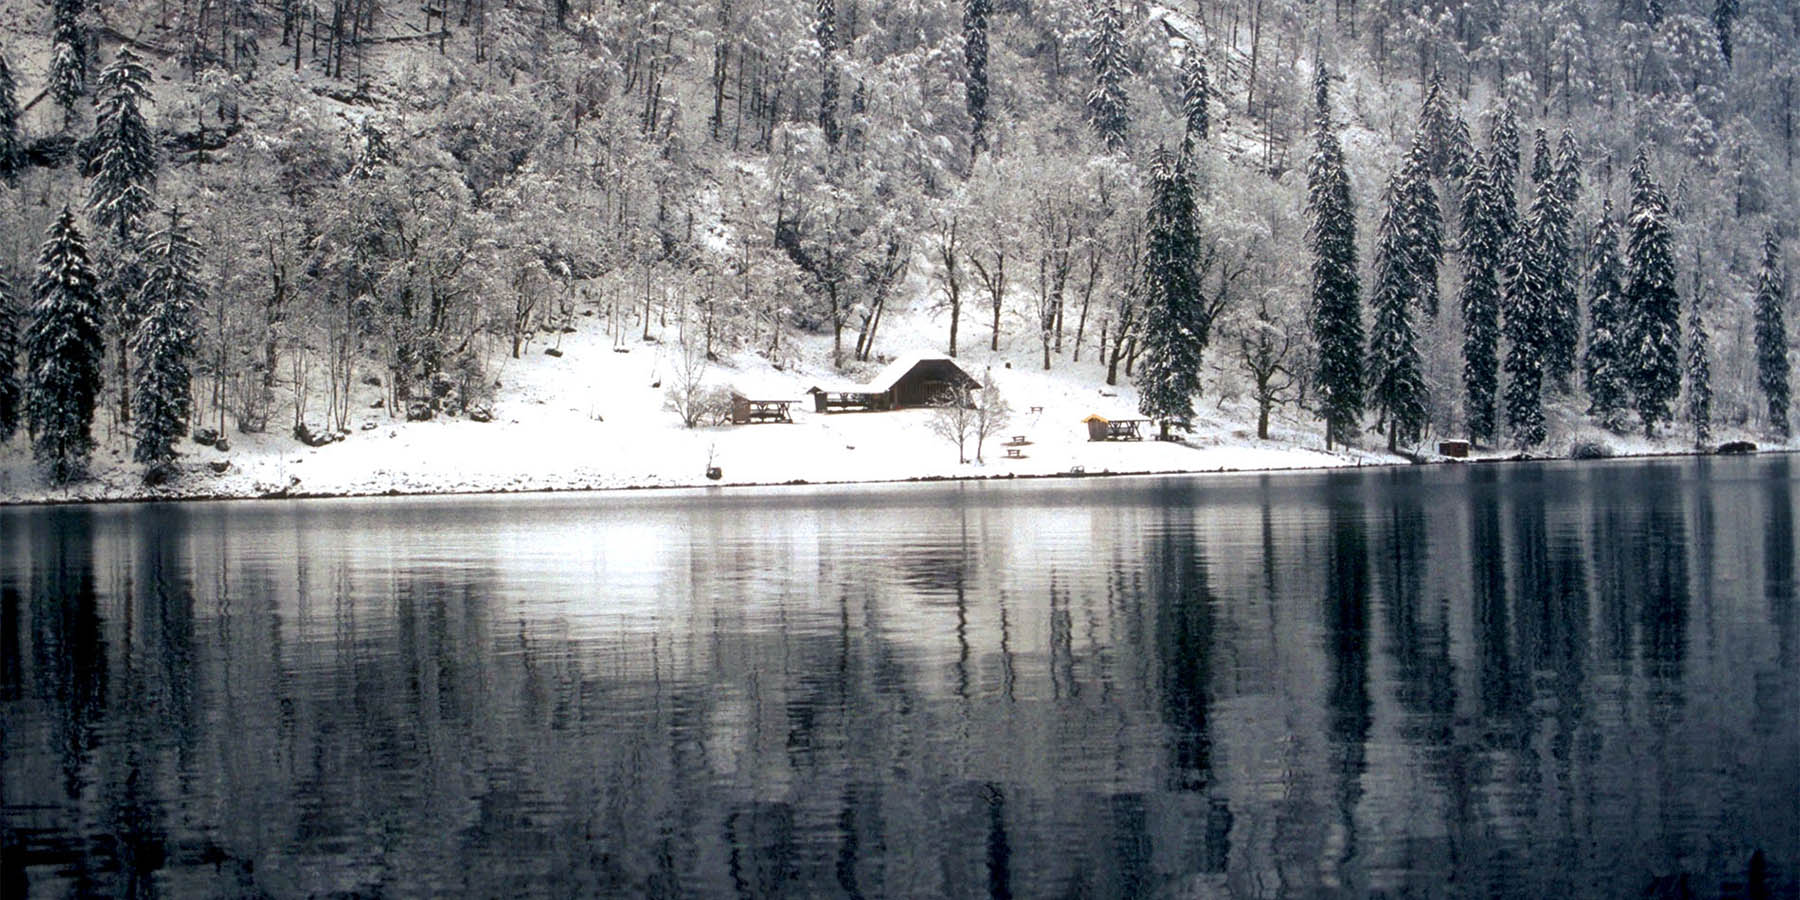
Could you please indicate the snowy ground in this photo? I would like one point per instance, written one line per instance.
(591, 420)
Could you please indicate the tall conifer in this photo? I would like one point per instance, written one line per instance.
(825, 32)
(124, 161)
(1196, 92)
(68, 57)
(165, 345)
(1109, 109)
(1562, 310)
(1336, 291)
(1699, 379)
(1396, 379)
(1173, 339)
(12, 393)
(1653, 309)
(1604, 366)
(975, 63)
(1483, 247)
(1771, 335)
(1530, 288)
(12, 147)
(63, 350)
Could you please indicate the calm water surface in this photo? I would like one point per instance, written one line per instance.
(1521, 681)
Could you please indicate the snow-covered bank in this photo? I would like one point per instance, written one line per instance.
(591, 419)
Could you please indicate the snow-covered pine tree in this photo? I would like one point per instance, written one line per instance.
(1562, 311)
(1568, 169)
(1503, 163)
(825, 32)
(12, 148)
(1699, 379)
(1652, 345)
(1196, 92)
(63, 352)
(1445, 133)
(1422, 224)
(124, 152)
(1541, 167)
(164, 344)
(1396, 382)
(1483, 246)
(1771, 335)
(68, 57)
(975, 61)
(1168, 373)
(1109, 109)
(1529, 289)
(1336, 291)
(124, 170)
(1606, 370)
(12, 393)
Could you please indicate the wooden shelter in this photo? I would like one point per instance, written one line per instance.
(1100, 428)
(909, 381)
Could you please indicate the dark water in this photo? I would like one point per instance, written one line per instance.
(1527, 681)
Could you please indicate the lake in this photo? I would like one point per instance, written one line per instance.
(1531, 680)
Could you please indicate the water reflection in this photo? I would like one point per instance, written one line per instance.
(1521, 681)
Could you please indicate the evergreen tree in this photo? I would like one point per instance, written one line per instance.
(1503, 162)
(1336, 292)
(1196, 91)
(1174, 333)
(1396, 382)
(1541, 168)
(1530, 288)
(1699, 379)
(1606, 369)
(165, 343)
(12, 394)
(1483, 247)
(12, 147)
(1562, 335)
(124, 161)
(63, 352)
(1771, 335)
(1653, 310)
(1446, 134)
(124, 168)
(68, 57)
(825, 32)
(1423, 225)
(975, 61)
(1109, 109)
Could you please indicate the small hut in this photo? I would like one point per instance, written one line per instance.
(920, 381)
(909, 381)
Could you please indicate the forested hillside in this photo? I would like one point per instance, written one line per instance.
(1489, 219)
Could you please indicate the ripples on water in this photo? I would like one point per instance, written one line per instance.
(1523, 681)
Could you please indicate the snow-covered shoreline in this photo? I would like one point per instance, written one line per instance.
(593, 418)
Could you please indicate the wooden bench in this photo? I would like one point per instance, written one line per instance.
(1014, 453)
(1037, 409)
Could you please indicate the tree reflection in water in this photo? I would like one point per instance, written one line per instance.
(1507, 681)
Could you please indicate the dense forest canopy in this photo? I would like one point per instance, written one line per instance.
(407, 192)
